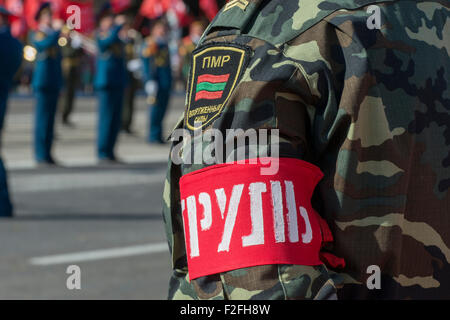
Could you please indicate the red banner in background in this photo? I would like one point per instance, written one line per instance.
(18, 24)
(180, 10)
(30, 8)
(59, 8)
(120, 5)
(87, 18)
(209, 8)
(153, 9)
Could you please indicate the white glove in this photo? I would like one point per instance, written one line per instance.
(77, 41)
(134, 65)
(151, 87)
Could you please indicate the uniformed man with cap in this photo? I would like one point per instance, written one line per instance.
(356, 203)
(72, 54)
(110, 81)
(10, 60)
(132, 46)
(47, 82)
(157, 78)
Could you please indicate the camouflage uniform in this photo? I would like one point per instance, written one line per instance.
(370, 108)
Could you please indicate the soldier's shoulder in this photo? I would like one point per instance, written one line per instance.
(279, 21)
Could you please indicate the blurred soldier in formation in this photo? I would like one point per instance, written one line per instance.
(157, 78)
(47, 81)
(10, 60)
(187, 46)
(110, 81)
(72, 53)
(131, 39)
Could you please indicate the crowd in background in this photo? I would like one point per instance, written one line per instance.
(154, 38)
(114, 49)
(139, 16)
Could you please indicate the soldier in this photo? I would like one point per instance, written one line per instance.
(47, 82)
(132, 56)
(72, 53)
(359, 91)
(188, 45)
(110, 81)
(157, 78)
(10, 60)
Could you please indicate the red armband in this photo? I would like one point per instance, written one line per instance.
(234, 217)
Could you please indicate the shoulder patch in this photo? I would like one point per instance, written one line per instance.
(236, 3)
(214, 74)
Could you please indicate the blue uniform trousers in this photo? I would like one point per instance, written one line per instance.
(109, 120)
(5, 203)
(46, 104)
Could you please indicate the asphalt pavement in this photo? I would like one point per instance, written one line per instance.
(104, 219)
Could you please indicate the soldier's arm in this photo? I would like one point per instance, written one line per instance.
(105, 42)
(272, 98)
(43, 43)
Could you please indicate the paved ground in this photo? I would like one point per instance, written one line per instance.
(105, 219)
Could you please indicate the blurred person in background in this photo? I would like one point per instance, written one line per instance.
(10, 60)
(110, 81)
(72, 53)
(131, 38)
(188, 45)
(47, 82)
(157, 78)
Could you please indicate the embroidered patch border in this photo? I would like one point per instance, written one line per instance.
(210, 90)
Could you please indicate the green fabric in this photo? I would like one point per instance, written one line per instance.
(208, 86)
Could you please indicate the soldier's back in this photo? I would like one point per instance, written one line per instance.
(10, 56)
(368, 104)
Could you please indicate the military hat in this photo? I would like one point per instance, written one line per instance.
(105, 10)
(45, 6)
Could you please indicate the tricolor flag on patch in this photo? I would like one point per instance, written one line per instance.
(210, 86)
